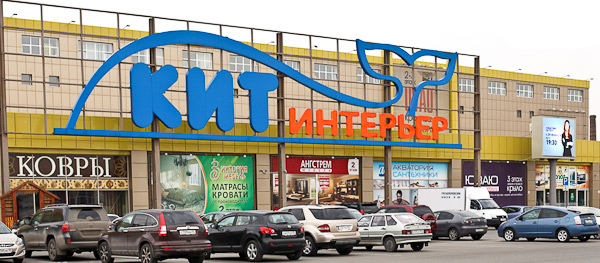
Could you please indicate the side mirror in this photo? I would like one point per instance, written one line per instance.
(214, 226)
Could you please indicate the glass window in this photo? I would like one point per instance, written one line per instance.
(125, 222)
(551, 213)
(141, 57)
(54, 81)
(139, 220)
(445, 216)
(524, 91)
(422, 210)
(361, 76)
(575, 95)
(57, 215)
(88, 214)
(207, 219)
(531, 215)
(475, 205)
(33, 46)
(217, 217)
(241, 64)
(293, 64)
(298, 213)
(408, 218)
(26, 79)
(332, 213)
(194, 170)
(466, 85)
(518, 113)
(489, 204)
(242, 221)
(378, 221)
(151, 221)
(328, 72)
(160, 56)
(227, 221)
(95, 50)
(496, 88)
(37, 219)
(390, 221)
(203, 60)
(181, 218)
(531, 114)
(393, 210)
(282, 219)
(4, 229)
(364, 222)
(551, 93)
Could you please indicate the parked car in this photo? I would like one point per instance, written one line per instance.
(515, 210)
(421, 211)
(113, 217)
(253, 234)
(210, 218)
(154, 235)
(392, 230)
(64, 229)
(587, 209)
(327, 226)
(456, 224)
(12, 246)
(24, 221)
(363, 208)
(550, 222)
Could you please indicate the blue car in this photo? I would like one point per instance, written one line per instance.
(550, 222)
(515, 210)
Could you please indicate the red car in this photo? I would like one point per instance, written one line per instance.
(421, 211)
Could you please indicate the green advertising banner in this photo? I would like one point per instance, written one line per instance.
(207, 184)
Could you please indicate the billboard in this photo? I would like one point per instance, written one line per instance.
(207, 184)
(407, 177)
(578, 176)
(553, 138)
(506, 182)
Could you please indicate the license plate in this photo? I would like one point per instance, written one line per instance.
(344, 228)
(5, 251)
(418, 231)
(479, 230)
(588, 221)
(187, 232)
(288, 233)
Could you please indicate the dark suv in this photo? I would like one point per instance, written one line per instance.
(421, 211)
(255, 233)
(154, 235)
(363, 208)
(64, 229)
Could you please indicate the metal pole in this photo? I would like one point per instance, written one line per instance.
(281, 128)
(387, 150)
(552, 181)
(477, 127)
(156, 191)
(5, 187)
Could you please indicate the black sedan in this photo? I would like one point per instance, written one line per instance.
(456, 224)
(255, 233)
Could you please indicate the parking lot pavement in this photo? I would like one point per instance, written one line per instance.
(490, 248)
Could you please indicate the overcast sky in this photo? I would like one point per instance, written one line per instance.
(558, 37)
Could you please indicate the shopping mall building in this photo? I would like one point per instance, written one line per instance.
(211, 163)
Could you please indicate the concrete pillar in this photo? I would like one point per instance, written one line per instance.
(594, 188)
(139, 185)
(367, 179)
(455, 173)
(530, 190)
(263, 182)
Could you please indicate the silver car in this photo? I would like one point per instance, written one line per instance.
(11, 246)
(392, 230)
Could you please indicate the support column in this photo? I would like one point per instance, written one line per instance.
(156, 189)
(4, 172)
(281, 127)
(594, 188)
(530, 183)
(263, 182)
(387, 150)
(552, 181)
(367, 179)
(138, 184)
(455, 180)
(477, 125)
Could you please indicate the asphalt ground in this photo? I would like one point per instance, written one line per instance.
(490, 248)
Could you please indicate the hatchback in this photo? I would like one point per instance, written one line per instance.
(421, 211)
(11, 246)
(456, 224)
(154, 235)
(550, 222)
(393, 230)
(252, 234)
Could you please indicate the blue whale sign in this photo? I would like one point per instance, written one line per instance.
(148, 100)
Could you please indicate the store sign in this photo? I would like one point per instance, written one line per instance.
(188, 182)
(412, 170)
(148, 99)
(54, 165)
(506, 182)
(553, 138)
(319, 166)
(578, 176)
(324, 182)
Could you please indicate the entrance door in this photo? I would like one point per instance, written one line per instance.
(27, 204)
(582, 197)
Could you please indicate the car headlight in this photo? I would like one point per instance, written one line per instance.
(19, 242)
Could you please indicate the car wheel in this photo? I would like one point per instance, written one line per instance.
(17, 260)
(509, 234)
(294, 256)
(96, 254)
(562, 235)
(69, 254)
(310, 248)
(453, 234)
(369, 248)
(344, 250)
(53, 251)
(253, 251)
(476, 237)
(104, 251)
(417, 246)
(389, 243)
(27, 253)
(195, 259)
(147, 255)
(584, 238)
(531, 239)
(207, 256)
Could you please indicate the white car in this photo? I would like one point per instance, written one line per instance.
(112, 217)
(392, 230)
(11, 246)
(587, 209)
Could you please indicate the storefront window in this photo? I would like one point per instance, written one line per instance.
(577, 190)
(318, 181)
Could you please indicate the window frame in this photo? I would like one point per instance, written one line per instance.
(321, 71)
(234, 66)
(468, 86)
(572, 97)
(81, 50)
(204, 63)
(25, 81)
(292, 63)
(362, 77)
(522, 92)
(53, 83)
(549, 93)
(497, 88)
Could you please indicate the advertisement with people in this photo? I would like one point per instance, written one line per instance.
(407, 177)
(506, 182)
(207, 184)
(578, 176)
(553, 137)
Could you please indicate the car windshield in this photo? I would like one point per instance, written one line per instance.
(408, 218)
(332, 213)
(422, 210)
(282, 219)
(489, 204)
(592, 210)
(355, 213)
(369, 208)
(181, 218)
(4, 229)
